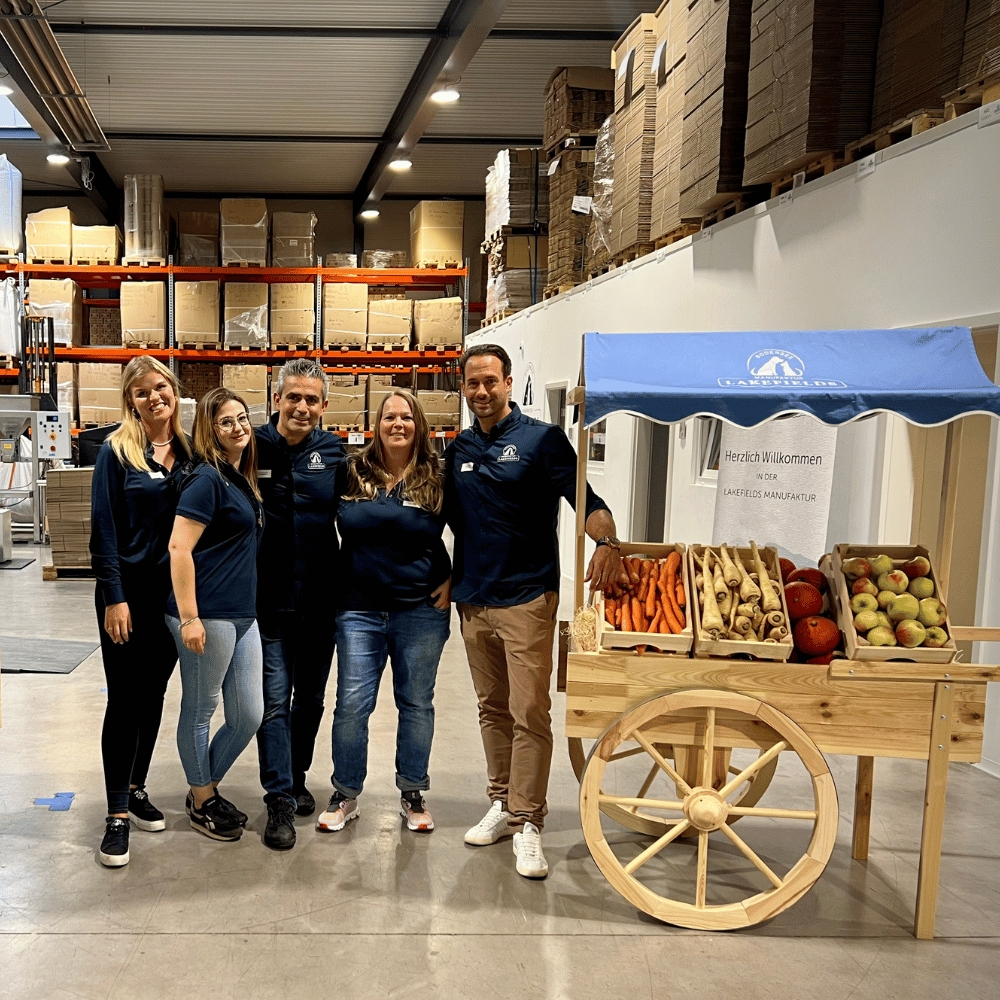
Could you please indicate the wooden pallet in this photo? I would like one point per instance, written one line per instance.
(52, 572)
(386, 348)
(8, 255)
(436, 348)
(973, 95)
(553, 290)
(443, 427)
(603, 269)
(144, 261)
(84, 262)
(213, 346)
(47, 260)
(818, 167)
(905, 128)
(302, 345)
(147, 345)
(244, 263)
(343, 347)
(503, 314)
(634, 252)
(684, 230)
(438, 265)
(9, 361)
(725, 211)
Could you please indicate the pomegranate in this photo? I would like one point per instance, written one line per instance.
(803, 599)
(787, 568)
(816, 636)
(814, 576)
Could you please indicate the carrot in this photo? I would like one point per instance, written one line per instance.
(643, 587)
(626, 615)
(679, 594)
(650, 607)
(654, 625)
(673, 562)
(640, 649)
(609, 611)
(638, 616)
(665, 628)
(632, 566)
(618, 615)
(667, 591)
(669, 614)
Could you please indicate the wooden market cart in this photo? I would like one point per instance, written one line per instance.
(683, 717)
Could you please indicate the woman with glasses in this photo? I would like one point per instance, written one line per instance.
(212, 613)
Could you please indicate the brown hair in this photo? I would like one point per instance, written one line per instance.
(206, 439)
(423, 478)
(486, 351)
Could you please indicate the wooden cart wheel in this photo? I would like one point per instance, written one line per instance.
(707, 809)
(632, 818)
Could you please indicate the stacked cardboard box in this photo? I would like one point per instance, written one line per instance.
(293, 314)
(982, 35)
(345, 403)
(244, 230)
(341, 260)
(67, 513)
(199, 377)
(250, 381)
(442, 409)
(571, 197)
(510, 291)
(390, 321)
(577, 100)
(599, 234)
(66, 379)
(145, 220)
(59, 298)
(383, 258)
(143, 313)
(245, 319)
(715, 106)
(96, 244)
(104, 326)
(99, 393)
(517, 190)
(293, 239)
(345, 314)
(437, 322)
(436, 233)
(919, 57)
(48, 235)
(196, 312)
(377, 387)
(10, 206)
(198, 239)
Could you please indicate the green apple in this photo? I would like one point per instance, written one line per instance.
(880, 565)
(865, 620)
(884, 597)
(931, 612)
(881, 636)
(863, 602)
(910, 633)
(884, 620)
(921, 587)
(936, 637)
(903, 606)
(895, 580)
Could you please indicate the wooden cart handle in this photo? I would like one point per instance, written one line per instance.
(974, 633)
(879, 670)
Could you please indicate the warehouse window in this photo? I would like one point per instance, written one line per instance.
(556, 396)
(598, 435)
(708, 441)
(10, 117)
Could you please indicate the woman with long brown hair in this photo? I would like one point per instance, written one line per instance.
(394, 604)
(136, 484)
(212, 610)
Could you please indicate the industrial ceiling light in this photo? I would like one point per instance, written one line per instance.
(57, 159)
(370, 213)
(447, 95)
(5, 91)
(400, 165)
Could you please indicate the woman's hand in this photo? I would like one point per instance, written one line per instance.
(118, 622)
(193, 634)
(442, 596)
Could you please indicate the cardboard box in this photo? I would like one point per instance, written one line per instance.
(48, 235)
(442, 409)
(59, 298)
(245, 319)
(144, 312)
(345, 314)
(99, 376)
(390, 318)
(244, 230)
(199, 377)
(96, 244)
(345, 407)
(196, 312)
(293, 313)
(104, 326)
(577, 101)
(383, 258)
(517, 189)
(66, 388)
(437, 322)
(145, 220)
(293, 239)
(436, 230)
(198, 239)
(250, 381)
(341, 260)
(99, 393)
(374, 396)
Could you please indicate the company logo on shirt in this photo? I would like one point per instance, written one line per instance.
(509, 454)
(778, 369)
(316, 461)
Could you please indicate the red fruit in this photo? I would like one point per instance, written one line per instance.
(826, 658)
(803, 599)
(814, 576)
(787, 567)
(863, 586)
(816, 636)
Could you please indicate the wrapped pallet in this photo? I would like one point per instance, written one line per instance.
(437, 322)
(245, 315)
(293, 239)
(10, 317)
(98, 392)
(244, 230)
(10, 207)
(250, 381)
(377, 387)
(982, 35)
(145, 221)
(198, 239)
(571, 197)
(345, 314)
(379, 259)
(345, 403)
(66, 380)
(293, 314)
(511, 291)
(390, 322)
(442, 409)
(577, 100)
(599, 234)
(517, 190)
(48, 236)
(60, 299)
(196, 313)
(143, 313)
(96, 244)
(437, 233)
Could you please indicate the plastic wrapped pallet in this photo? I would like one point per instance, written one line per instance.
(442, 409)
(293, 314)
(10, 207)
(245, 319)
(96, 244)
(436, 233)
(198, 239)
(437, 322)
(59, 298)
(383, 258)
(145, 221)
(48, 235)
(599, 234)
(244, 230)
(250, 381)
(144, 313)
(341, 260)
(10, 318)
(345, 314)
(390, 322)
(982, 35)
(577, 100)
(104, 326)
(293, 239)
(196, 312)
(571, 197)
(98, 393)
(517, 190)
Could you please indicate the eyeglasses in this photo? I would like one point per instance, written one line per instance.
(228, 423)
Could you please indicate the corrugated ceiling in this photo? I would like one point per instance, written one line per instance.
(446, 170)
(616, 15)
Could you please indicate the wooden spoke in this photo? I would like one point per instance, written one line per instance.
(748, 772)
(760, 865)
(701, 885)
(708, 748)
(682, 786)
(656, 847)
(768, 813)
(644, 787)
(624, 800)
(622, 754)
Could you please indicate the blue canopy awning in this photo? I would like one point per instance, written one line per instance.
(928, 376)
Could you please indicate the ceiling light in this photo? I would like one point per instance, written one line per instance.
(400, 165)
(446, 96)
(5, 91)
(370, 213)
(59, 159)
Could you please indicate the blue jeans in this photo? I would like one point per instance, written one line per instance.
(413, 640)
(298, 652)
(231, 666)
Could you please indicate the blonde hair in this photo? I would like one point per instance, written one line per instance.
(423, 478)
(206, 440)
(129, 440)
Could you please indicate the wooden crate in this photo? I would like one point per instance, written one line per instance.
(613, 640)
(732, 647)
(838, 585)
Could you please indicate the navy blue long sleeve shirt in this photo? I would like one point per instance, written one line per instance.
(502, 493)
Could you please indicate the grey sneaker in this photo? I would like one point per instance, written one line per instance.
(531, 862)
(490, 828)
(337, 814)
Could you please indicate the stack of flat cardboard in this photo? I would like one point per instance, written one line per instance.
(599, 234)
(571, 197)
(577, 100)
(143, 313)
(96, 244)
(293, 239)
(982, 35)
(715, 105)
(919, 57)
(345, 314)
(196, 312)
(437, 233)
(510, 291)
(99, 393)
(67, 512)
(293, 314)
(198, 239)
(199, 377)
(390, 322)
(517, 190)
(345, 403)
(437, 322)
(442, 409)
(145, 220)
(244, 230)
(104, 325)
(250, 381)
(59, 298)
(48, 235)
(245, 318)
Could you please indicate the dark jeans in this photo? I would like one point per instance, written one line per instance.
(413, 640)
(298, 651)
(137, 673)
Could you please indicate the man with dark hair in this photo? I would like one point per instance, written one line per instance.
(297, 467)
(503, 480)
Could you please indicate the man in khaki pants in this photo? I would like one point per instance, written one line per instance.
(504, 477)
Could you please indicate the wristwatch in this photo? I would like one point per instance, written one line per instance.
(609, 540)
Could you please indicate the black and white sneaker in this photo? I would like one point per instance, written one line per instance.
(143, 813)
(305, 804)
(241, 817)
(215, 821)
(279, 834)
(114, 846)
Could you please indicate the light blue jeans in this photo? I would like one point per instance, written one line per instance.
(232, 665)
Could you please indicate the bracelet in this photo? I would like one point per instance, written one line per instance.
(188, 622)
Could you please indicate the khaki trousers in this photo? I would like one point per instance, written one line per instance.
(510, 656)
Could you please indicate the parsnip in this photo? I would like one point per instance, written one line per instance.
(729, 571)
(711, 619)
(749, 591)
(769, 599)
(778, 633)
(721, 587)
(742, 624)
(746, 609)
(775, 618)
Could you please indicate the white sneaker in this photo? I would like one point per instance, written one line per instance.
(531, 862)
(490, 828)
(337, 814)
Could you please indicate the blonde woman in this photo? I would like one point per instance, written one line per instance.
(136, 484)
(394, 604)
(212, 610)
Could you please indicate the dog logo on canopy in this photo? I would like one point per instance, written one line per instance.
(775, 364)
(773, 368)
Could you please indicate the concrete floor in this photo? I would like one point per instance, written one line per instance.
(379, 912)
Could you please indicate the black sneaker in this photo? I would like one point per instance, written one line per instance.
(305, 804)
(215, 821)
(143, 813)
(114, 846)
(241, 817)
(279, 834)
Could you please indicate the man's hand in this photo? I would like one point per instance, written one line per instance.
(605, 568)
(118, 622)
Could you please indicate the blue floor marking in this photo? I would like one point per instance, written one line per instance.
(60, 802)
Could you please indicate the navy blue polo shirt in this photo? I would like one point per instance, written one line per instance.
(225, 557)
(502, 493)
(391, 554)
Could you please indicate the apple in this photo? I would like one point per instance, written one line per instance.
(884, 597)
(880, 565)
(864, 621)
(895, 580)
(931, 612)
(863, 602)
(936, 637)
(902, 606)
(863, 585)
(921, 587)
(881, 636)
(910, 633)
(857, 567)
(917, 566)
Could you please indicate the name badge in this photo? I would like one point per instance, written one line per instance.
(156, 475)
(467, 466)
(410, 503)
(263, 473)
